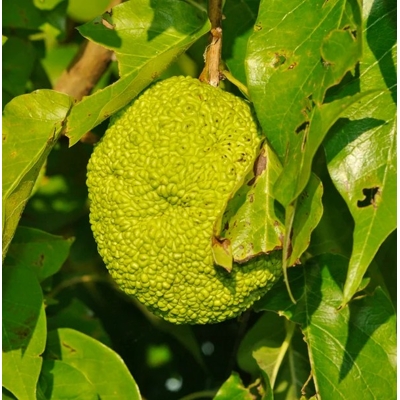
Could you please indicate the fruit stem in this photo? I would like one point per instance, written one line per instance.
(212, 56)
(236, 82)
(289, 217)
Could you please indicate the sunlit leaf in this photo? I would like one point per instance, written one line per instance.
(101, 366)
(146, 39)
(298, 50)
(341, 343)
(233, 389)
(59, 380)
(45, 253)
(24, 330)
(252, 222)
(361, 148)
(32, 124)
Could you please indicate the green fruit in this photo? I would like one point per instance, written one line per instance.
(158, 181)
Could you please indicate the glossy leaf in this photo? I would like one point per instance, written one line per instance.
(24, 331)
(308, 214)
(252, 221)
(237, 26)
(59, 380)
(361, 150)
(341, 343)
(294, 54)
(146, 38)
(44, 252)
(101, 366)
(32, 124)
(297, 170)
(233, 389)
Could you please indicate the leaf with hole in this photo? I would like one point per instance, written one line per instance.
(361, 147)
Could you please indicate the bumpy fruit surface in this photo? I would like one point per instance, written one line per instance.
(157, 182)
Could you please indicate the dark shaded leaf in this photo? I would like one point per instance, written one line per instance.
(237, 26)
(308, 214)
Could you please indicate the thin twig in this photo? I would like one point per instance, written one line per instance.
(211, 73)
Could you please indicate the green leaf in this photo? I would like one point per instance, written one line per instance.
(101, 366)
(266, 336)
(361, 148)
(59, 380)
(294, 54)
(252, 212)
(19, 56)
(146, 38)
(32, 124)
(44, 252)
(233, 389)
(274, 346)
(308, 213)
(297, 170)
(295, 371)
(237, 26)
(270, 359)
(24, 331)
(46, 4)
(22, 14)
(341, 343)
